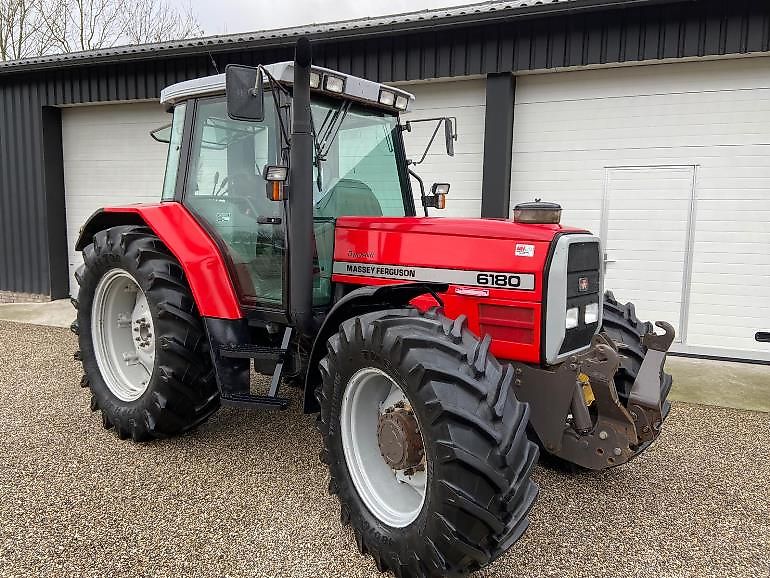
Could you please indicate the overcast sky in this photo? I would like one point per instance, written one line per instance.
(232, 16)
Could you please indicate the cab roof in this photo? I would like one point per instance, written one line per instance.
(353, 87)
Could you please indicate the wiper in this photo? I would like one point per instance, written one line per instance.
(329, 129)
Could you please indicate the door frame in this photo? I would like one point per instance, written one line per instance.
(684, 307)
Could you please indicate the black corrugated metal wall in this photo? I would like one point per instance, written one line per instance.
(33, 252)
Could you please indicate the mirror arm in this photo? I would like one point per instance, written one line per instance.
(430, 143)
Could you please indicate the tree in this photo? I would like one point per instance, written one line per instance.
(157, 21)
(38, 27)
(74, 25)
(21, 27)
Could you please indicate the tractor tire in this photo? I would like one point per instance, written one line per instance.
(621, 324)
(477, 461)
(176, 389)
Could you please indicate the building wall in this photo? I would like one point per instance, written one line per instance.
(33, 253)
(640, 153)
(465, 101)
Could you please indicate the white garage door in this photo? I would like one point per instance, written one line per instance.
(466, 101)
(109, 159)
(572, 130)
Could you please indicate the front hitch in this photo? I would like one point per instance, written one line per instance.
(609, 433)
(644, 401)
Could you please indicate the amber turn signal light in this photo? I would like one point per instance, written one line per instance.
(275, 175)
(275, 190)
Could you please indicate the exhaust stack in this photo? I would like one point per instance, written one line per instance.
(300, 204)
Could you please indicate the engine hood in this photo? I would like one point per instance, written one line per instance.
(456, 251)
(478, 228)
(494, 269)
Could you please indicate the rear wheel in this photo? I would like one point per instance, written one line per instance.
(142, 343)
(426, 443)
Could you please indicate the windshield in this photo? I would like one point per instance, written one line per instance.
(356, 170)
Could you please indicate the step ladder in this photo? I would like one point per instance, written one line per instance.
(264, 355)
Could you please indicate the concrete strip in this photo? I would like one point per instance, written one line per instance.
(720, 383)
(59, 313)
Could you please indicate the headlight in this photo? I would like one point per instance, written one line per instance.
(572, 318)
(387, 98)
(315, 80)
(592, 313)
(335, 83)
(401, 102)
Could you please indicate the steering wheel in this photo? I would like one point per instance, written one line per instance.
(242, 189)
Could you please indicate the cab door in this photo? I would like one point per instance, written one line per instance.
(225, 189)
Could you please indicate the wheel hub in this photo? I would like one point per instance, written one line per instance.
(143, 332)
(399, 439)
(123, 335)
(383, 447)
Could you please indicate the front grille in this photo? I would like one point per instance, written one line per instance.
(583, 288)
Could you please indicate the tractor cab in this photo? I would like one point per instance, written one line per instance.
(232, 172)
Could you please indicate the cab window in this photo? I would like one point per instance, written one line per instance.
(226, 190)
(174, 149)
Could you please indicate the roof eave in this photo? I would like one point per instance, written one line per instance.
(319, 33)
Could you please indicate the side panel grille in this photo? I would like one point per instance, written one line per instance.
(508, 323)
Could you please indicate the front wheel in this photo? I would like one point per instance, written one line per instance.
(621, 324)
(426, 443)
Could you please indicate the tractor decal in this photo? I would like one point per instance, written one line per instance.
(522, 281)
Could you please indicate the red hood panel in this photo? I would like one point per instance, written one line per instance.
(477, 228)
(469, 244)
(494, 269)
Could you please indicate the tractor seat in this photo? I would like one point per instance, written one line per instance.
(351, 198)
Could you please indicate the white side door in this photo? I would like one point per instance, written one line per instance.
(646, 219)
(109, 159)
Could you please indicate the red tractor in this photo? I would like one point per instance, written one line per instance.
(439, 353)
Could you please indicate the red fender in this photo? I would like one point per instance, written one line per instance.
(197, 253)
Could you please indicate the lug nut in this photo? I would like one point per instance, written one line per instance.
(602, 435)
(617, 451)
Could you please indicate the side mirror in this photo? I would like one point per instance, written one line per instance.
(449, 137)
(245, 93)
(450, 134)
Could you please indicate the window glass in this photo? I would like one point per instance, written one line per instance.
(174, 147)
(359, 170)
(358, 175)
(225, 188)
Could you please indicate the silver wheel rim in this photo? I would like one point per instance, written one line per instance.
(123, 335)
(392, 496)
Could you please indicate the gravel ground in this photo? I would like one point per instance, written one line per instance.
(245, 494)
